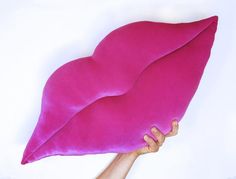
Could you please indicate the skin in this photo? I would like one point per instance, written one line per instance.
(121, 164)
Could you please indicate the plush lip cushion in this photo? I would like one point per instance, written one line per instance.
(140, 75)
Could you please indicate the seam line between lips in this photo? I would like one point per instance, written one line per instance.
(68, 121)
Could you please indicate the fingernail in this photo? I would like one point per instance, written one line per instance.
(154, 129)
(145, 137)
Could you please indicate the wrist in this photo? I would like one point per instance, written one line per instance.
(131, 155)
(135, 154)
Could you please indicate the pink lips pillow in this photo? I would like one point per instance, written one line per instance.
(140, 75)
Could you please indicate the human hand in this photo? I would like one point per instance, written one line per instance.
(153, 146)
(122, 163)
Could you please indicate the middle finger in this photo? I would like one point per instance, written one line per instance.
(158, 135)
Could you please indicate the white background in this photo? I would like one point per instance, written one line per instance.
(38, 36)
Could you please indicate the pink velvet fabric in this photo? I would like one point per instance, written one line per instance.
(140, 75)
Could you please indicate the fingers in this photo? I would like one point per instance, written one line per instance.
(158, 135)
(175, 128)
(152, 145)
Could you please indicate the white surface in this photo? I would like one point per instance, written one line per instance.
(38, 36)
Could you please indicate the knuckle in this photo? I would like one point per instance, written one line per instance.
(152, 150)
(156, 149)
(150, 140)
(153, 146)
(160, 143)
(162, 138)
(175, 132)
